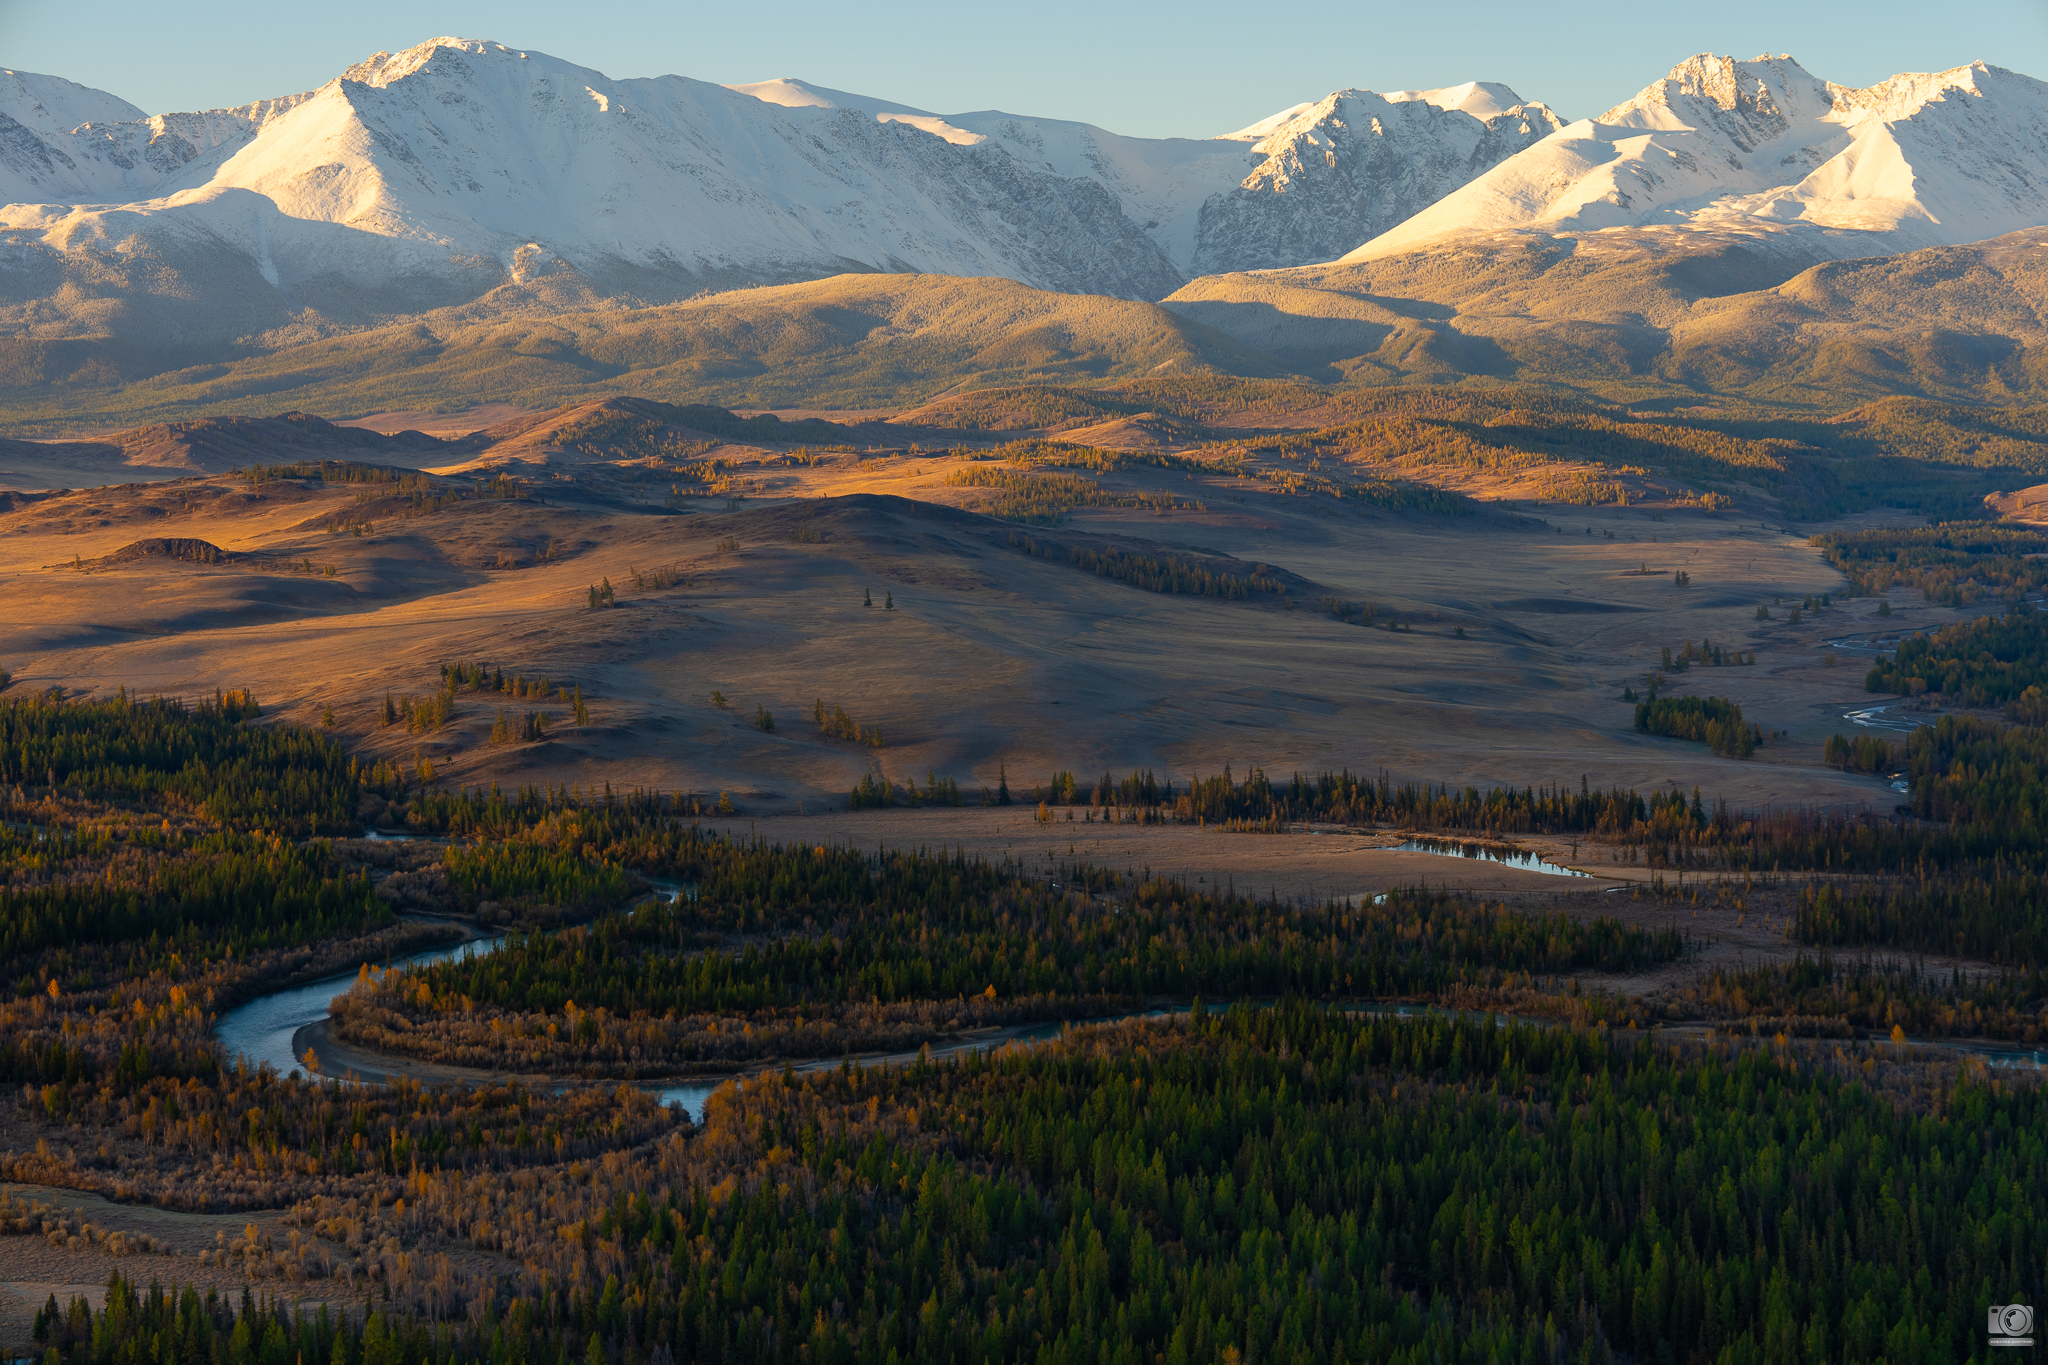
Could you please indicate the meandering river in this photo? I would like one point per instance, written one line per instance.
(263, 1029)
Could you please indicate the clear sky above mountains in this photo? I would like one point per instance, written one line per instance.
(1192, 69)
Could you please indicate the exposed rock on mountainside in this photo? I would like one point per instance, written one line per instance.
(1352, 166)
(1302, 186)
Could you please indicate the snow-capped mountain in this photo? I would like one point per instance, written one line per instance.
(432, 176)
(1766, 150)
(453, 162)
(1304, 185)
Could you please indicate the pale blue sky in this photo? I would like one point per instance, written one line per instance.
(1193, 69)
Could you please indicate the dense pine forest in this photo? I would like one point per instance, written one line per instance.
(1262, 1184)
(1275, 1165)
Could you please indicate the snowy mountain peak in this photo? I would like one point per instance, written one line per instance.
(386, 68)
(1480, 99)
(52, 106)
(1483, 100)
(1765, 149)
(1749, 102)
(1253, 132)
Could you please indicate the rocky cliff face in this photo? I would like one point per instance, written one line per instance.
(1351, 166)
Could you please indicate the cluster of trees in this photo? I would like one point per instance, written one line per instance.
(1158, 573)
(234, 888)
(643, 427)
(1828, 996)
(664, 576)
(1037, 452)
(527, 731)
(1705, 653)
(836, 724)
(399, 481)
(1581, 489)
(420, 716)
(1862, 754)
(1165, 573)
(1036, 499)
(1954, 563)
(1135, 789)
(1716, 720)
(1991, 661)
(200, 759)
(484, 678)
(873, 792)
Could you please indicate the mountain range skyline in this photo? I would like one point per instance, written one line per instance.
(459, 161)
(1187, 79)
(487, 200)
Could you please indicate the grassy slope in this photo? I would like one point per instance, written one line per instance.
(1622, 321)
(855, 340)
(1635, 323)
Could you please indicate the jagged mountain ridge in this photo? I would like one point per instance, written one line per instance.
(1302, 186)
(429, 177)
(454, 167)
(1766, 151)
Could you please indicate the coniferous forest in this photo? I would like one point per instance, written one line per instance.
(1417, 1129)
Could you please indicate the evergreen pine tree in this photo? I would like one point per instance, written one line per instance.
(889, 601)
(867, 599)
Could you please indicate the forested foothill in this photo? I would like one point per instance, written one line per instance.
(1274, 1165)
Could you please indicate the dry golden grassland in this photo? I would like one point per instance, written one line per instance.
(991, 660)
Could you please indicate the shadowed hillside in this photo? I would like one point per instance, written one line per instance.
(1642, 320)
(850, 341)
